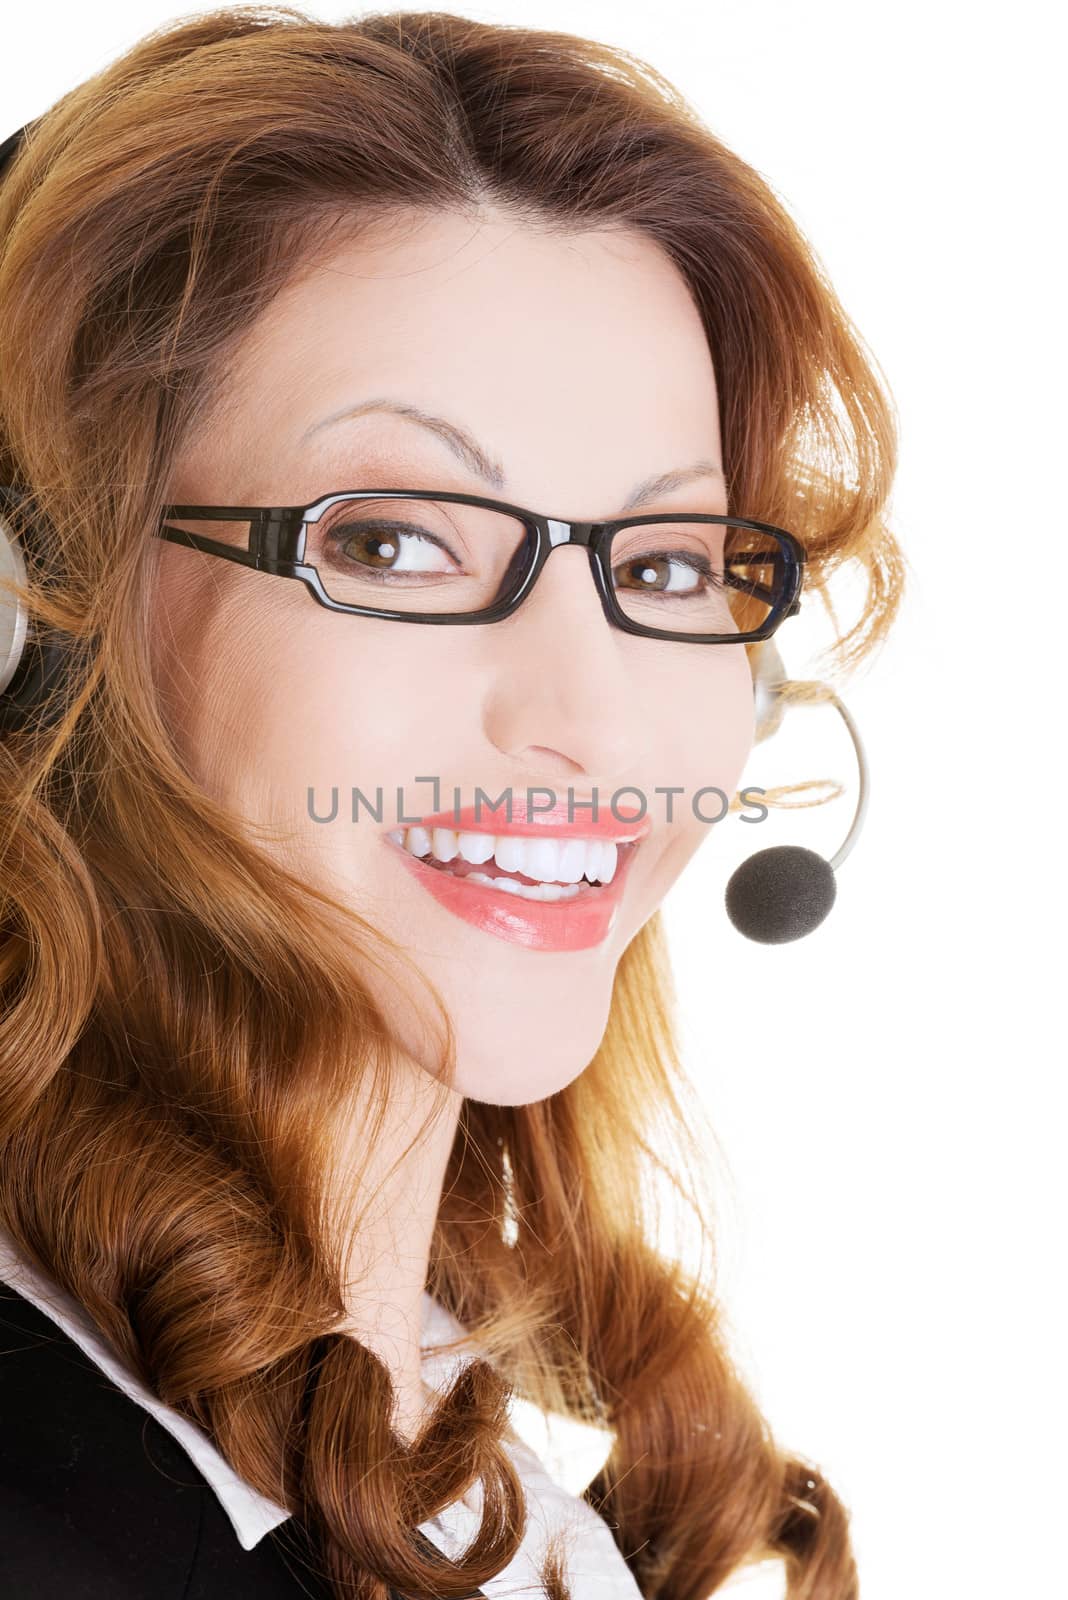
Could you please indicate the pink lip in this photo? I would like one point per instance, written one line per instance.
(524, 823)
(546, 925)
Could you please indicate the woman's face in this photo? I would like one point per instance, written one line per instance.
(578, 366)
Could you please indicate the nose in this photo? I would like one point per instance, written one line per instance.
(565, 600)
(570, 685)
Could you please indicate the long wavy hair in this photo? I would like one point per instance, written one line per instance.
(168, 1092)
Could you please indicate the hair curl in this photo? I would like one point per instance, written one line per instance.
(166, 1092)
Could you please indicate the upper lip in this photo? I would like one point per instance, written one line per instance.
(553, 822)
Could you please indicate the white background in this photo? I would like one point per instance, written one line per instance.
(885, 1093)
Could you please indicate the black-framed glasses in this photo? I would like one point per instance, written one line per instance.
(427, 555)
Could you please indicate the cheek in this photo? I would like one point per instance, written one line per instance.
(719, 717)
(224, 669)
(706, 749)
(371, 701)
(348, 705)
(736, 713)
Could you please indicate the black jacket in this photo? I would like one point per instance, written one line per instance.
(99, 1502)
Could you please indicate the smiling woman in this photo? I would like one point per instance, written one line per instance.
(536, 396)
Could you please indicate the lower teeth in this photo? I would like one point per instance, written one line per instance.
(524, 891)
(529, 891)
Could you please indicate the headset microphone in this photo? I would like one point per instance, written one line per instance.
(786, 891)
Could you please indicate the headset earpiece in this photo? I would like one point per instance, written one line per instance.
(784, 892)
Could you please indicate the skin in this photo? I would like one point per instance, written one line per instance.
(579, 363)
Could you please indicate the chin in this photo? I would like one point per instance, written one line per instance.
(499, 1078)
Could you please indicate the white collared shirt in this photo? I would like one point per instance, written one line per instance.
(595, 1568)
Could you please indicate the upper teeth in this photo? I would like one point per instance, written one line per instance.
(549, 860)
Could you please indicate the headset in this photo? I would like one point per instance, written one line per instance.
(774, 896)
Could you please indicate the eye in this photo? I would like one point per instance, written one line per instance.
(383, 548)
(652, 574)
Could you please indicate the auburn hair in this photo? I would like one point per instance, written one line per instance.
(168, 1085)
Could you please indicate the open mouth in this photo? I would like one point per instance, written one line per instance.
(565, 871)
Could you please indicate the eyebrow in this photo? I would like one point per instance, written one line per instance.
(461, 443)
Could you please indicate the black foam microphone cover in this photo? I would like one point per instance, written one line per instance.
(780, 893)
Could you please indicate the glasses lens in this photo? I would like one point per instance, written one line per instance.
(697, 577)
(427, 556)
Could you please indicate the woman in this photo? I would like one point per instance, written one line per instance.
(287, 1105)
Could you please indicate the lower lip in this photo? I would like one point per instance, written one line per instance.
(576, 924)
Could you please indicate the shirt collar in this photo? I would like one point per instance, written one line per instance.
(252, 1514)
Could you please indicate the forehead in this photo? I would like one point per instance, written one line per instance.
(582, 346)
(489, 289)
